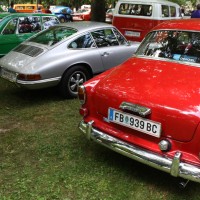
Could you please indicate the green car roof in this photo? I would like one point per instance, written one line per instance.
(11, 15)
(4, 14)
(15, 33)
(4, 17)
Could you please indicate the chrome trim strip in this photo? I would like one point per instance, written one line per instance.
(39, 81)
(141, 110)
(172, 166)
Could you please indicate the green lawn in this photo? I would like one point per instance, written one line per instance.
(43, 156)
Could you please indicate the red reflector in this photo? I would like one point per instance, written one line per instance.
(81, 94)
(83, 111)
(29, 77)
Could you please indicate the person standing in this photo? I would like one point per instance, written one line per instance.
(196, 13)
(182, 11)
(11, 9)
(39, 10)
(47, 10)
(69, 13)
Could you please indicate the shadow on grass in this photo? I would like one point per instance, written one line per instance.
(16, 94)
(142, 174)
(83, 157)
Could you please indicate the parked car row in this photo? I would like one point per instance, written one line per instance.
(138, 99)
(66, 55)
(16, 28)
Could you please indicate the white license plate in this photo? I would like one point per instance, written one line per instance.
(134, 122)
(11, 76)
(77, 18)
(132, 34)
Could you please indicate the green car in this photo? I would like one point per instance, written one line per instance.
(16, 28)
(3, 14)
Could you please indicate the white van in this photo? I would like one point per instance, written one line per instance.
(135, 18)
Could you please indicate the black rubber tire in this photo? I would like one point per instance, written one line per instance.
(71, 79)
(62, 20)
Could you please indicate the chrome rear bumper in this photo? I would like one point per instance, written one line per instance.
(172, 166)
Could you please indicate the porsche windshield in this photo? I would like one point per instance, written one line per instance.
(182, 46)
(53, 35)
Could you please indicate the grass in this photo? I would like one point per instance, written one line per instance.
(43, 156)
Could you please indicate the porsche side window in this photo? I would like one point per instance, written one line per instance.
(52, 35)
(10, 27)
(105, 38)
(84, 41)
(120, 38)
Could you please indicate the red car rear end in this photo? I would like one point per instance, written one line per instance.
(148, 108)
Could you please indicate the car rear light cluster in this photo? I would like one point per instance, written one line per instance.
(83, 112)
(82, 98)
(29, 77)
(81, 94)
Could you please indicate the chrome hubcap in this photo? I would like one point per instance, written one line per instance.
(76, 80)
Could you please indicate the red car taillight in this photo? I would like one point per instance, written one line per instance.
(81, 94)
(82, 99)
(29, 77)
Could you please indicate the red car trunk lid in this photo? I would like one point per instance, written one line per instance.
(170, 89)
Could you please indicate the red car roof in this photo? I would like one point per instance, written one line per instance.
(182, 24)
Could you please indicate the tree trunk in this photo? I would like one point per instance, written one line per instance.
(98, 10)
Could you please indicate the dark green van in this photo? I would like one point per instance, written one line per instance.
(16, 28)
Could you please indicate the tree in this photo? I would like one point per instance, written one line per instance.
(180, 2)
(98, 9)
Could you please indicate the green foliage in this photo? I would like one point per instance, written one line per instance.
(43, 156)
(180, 2)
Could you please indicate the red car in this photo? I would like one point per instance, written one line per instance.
(148, 108)
(82, 15)
(109, 15)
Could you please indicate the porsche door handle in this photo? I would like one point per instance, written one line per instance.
(105, 54)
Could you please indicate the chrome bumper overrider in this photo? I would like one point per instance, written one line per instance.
(172, 166)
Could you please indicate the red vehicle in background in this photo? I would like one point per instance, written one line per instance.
(83, 14)
(109, 15)
(135, 18)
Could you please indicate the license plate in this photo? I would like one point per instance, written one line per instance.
(11, 76)
(77, 18)
(132, 34)
(134, 122)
